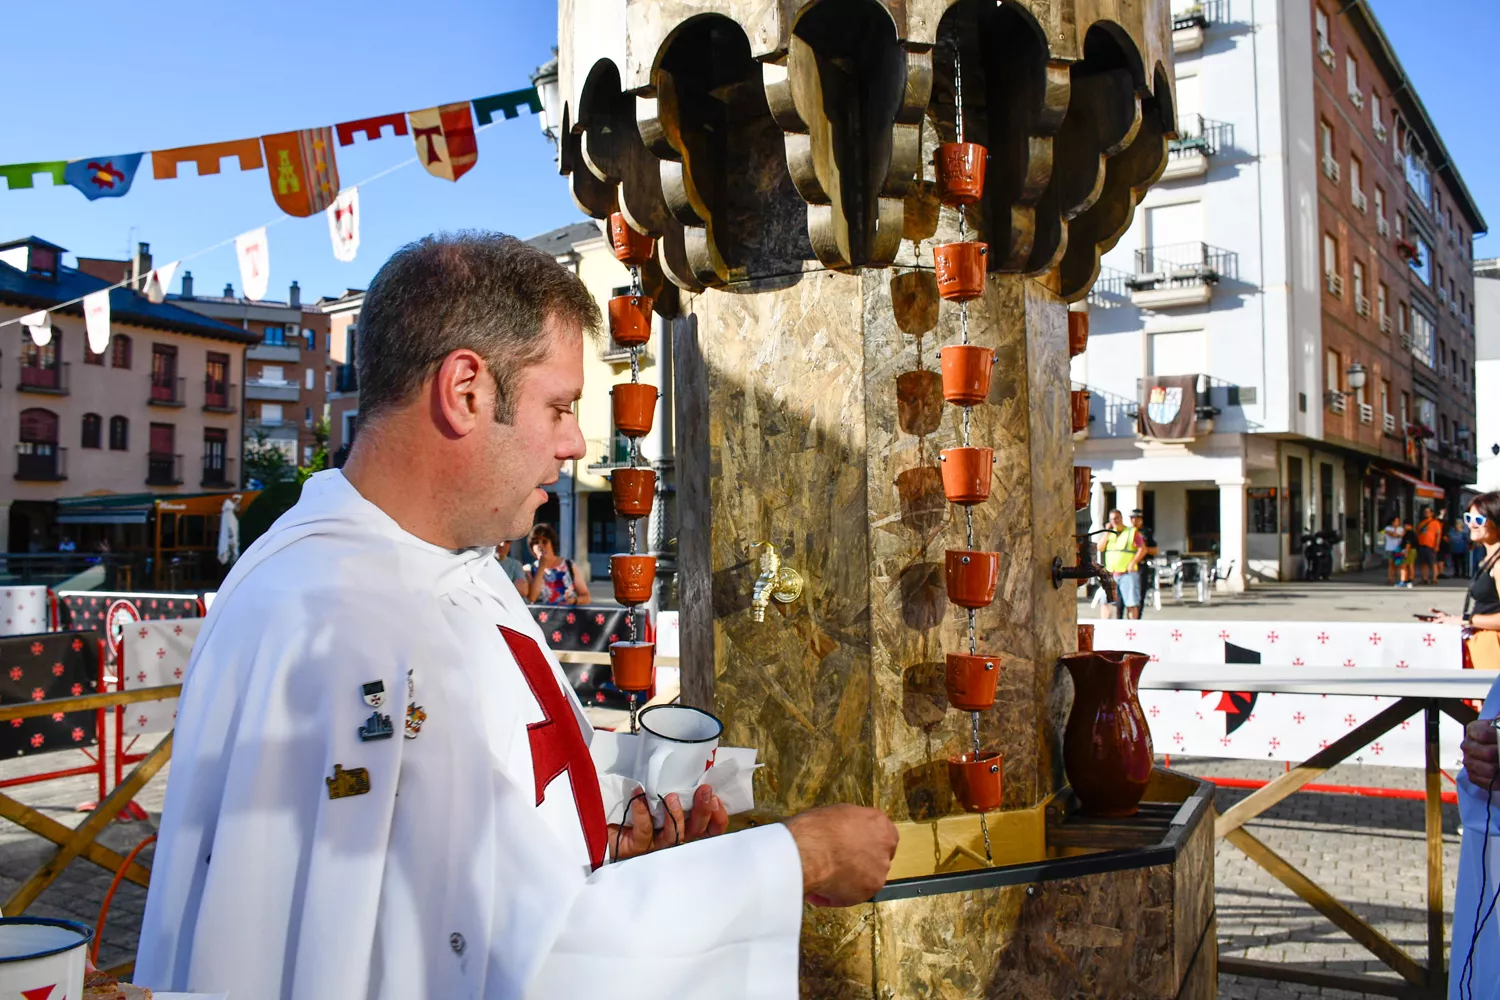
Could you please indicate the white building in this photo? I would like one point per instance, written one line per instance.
(1487, 372)
(1264, 269)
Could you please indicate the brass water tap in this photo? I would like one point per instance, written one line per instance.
(776, 580)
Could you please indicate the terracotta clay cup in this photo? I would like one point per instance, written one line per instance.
(972, 577)
(1107, 752)
(960, 172)
(966, 373)
(630, 319)
(966, 474)
(1083, 486)
(1080, 410)
(634, 490)
(1085, 638)
(634, 407)
(631, 248)
(960, 270)
(976, 780)
(633, 577)
(1078, 333)
(633, 665)
(971, 680)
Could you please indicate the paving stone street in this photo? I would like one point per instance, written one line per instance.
(1369, 852)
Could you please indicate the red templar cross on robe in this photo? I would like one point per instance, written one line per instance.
(557, 744)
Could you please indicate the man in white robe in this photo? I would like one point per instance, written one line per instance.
(381, 785)
(1474, 962)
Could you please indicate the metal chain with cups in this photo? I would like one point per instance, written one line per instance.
(635, 460)
(963, 326)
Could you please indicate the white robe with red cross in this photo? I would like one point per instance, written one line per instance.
(381, 788)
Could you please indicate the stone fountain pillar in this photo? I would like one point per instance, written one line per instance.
(781, 155)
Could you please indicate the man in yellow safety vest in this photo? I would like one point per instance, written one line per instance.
(1120, 552)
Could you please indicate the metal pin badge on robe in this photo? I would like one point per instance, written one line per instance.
(376, 727)
(343, 784)
(415, 716)
(374, 693)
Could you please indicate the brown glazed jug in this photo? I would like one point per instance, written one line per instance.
(1107, 749)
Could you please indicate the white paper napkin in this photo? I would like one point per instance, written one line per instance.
(615, 758)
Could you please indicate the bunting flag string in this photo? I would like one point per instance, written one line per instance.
(304, 175)
(251, 249)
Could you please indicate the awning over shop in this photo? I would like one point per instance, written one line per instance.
(1425, 490)
(136, 508)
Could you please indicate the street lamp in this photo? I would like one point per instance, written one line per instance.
(1356, 375)
(547, 90)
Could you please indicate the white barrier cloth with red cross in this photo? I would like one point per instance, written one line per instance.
(156, 653)
(1289, 727)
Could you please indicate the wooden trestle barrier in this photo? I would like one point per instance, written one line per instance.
(1427, 981)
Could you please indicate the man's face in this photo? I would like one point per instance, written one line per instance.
(1115, 521)
(521, 457)
(1136, 520)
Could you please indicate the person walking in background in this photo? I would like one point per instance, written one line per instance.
(1408, 555)
(1429, 534)
(1143, 559)
(553, 579)
(1458, 550)
(514, 569)
(1122, 555)
(1392, 534)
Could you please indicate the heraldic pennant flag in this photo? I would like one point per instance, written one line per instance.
(343, 224)
(255, 262)
(103, 176)
(304, 176)
(445, 139)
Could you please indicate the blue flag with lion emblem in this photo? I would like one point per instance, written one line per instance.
(103, 176)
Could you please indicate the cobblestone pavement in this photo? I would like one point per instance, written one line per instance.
(1368, 852)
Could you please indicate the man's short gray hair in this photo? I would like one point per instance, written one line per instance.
(484, 291)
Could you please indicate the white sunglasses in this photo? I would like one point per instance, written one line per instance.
(1475, 520)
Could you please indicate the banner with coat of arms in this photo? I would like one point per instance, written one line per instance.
(1169, 407)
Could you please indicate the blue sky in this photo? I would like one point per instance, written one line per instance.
(101, 81)
(174, 73)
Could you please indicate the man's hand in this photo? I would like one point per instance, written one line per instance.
(708, 818)
(1481, 756)
(846, 853)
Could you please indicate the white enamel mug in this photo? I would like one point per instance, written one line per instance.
(677, 745)
(42, 958)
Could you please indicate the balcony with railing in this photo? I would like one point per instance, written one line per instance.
(52, 381)
(615, 454)
(272, 390)
(1198, 139)
(1110, 290)
(1180, 274)
(1188, 25)
(220, 396)
(41, 462)
(167, 391)
(218, 470)
(163, 469)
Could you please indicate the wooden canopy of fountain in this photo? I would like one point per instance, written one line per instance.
(780, 154)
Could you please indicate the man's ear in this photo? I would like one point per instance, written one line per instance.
(459, 396)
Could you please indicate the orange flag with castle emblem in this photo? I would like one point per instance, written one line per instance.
(304, 175)
(445, 139)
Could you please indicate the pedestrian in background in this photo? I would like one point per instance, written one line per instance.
(1393, 533)
(1458, 550)
(1143, 559)
(1122, 554)
(1429, 534)
(554, 580)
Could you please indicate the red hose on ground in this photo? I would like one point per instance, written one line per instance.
(110, 895)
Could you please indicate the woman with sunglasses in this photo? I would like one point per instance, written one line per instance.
(1475, 963)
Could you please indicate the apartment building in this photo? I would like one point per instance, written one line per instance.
(285, 381)
(1300, 279)
(341, 381)
(152, 415)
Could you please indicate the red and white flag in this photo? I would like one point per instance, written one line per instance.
(158, 281)
(343, 224)
(96, 320)
(445, 139)
(39, 325)
(255, 262)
